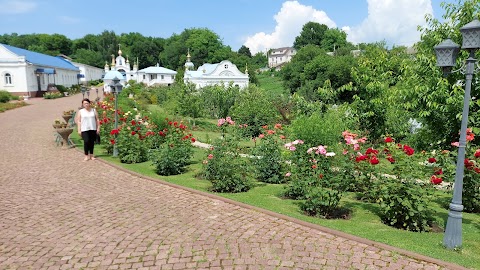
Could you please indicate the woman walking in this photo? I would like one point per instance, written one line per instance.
(88, 127)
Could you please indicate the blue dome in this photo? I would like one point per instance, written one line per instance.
(112, 74)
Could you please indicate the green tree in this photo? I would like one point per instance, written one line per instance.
(312, 34)
(292, 72)
(437, 101)
(244, 50)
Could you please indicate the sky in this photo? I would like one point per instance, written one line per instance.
(257, 24)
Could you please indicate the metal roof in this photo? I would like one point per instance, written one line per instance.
(158, 70)
(41, 59)
(110, 75)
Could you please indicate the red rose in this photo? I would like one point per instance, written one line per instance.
(193, 140)
(374, 160)
(388, 140)
(477, 153)
(408, 150)
(432, 160)
(435, 180)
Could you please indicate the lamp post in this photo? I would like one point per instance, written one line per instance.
(83, 89)
(116, 89)
(446, 57)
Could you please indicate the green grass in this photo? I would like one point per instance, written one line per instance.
(272, 85)
(365, 221)
(11, 105)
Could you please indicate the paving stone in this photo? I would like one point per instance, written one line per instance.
(59, 212)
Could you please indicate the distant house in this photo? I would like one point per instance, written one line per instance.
(223, 73)
(278, 57)
(30, 73)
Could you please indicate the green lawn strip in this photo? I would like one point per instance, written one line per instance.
(365, 221)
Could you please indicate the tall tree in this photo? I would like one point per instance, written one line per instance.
(244, 50)
(437, 100)
(312, 33)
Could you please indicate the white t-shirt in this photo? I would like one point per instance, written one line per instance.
(87, 120)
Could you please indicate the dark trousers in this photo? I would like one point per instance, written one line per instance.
(89, 141)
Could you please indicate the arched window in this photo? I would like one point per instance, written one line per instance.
(8, 78)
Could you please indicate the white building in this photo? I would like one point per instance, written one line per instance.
(278, 57)
(89, 73)
(223, 73)
(30, 73)
(149, 76)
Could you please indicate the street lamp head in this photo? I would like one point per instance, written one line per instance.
(118, 87)
(115, 80)
(83, 89)
(446, 52)
(471, 35)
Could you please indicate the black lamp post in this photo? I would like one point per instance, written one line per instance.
(83, 89)
(446, 57)
(116, 87)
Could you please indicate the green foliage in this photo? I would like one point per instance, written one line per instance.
(321, 202)
(404, 205)
(5, 96)
(291, 72)
(267, 160)
(437, 100)
(218, 100)
(52, 95)
(322, 128)
(130, 144)
(61, 88)
(224, 167)
(252, 107)
(312, 34)
(175, 153)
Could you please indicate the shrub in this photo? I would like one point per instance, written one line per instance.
(5, 96)
(174, 154)
(61, 88)
(321, 202)
(322, 128)
(130, 145)
(268, 157)
(52, 95)
(404, 205)
(223, 166)
(253, 107)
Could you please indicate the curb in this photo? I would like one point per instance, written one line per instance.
(365, 241)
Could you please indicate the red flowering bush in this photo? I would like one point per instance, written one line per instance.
(175, 153)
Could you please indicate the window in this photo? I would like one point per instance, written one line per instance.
(8, 79)
(162, 77)
(153, 76)
(144, 76)
(226, 66)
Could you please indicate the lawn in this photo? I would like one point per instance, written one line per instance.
(364, 222)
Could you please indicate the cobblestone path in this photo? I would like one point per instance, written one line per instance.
(58, 212)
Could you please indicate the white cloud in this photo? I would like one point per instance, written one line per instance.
(290, 19)
(394, 21)
(16, 6)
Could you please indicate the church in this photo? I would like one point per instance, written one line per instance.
(149, 76)
(224, 73)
